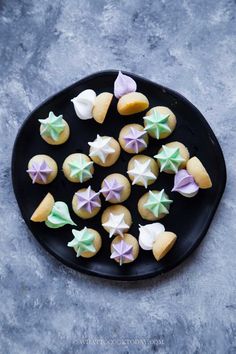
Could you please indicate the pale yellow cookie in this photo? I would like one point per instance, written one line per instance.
(44, 209)
(115, 188)
(78, 168)
(104, 150)
(101, 105)
(86, 203)
(171, 121)
(97, 243)
(154, 205)
(142, 170)
(37, 163)
(63, 137)
(199, 173)
(116, 220)
(132, 103)
(130, 240)
(163, 244)
(131, 141)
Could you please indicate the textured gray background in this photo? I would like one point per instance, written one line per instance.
(187, 45)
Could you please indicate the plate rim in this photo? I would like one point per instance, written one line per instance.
(191, 249)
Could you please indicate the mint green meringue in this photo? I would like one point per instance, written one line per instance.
(59, 216)
(52, 126)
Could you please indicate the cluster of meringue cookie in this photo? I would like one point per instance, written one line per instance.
(143, 170)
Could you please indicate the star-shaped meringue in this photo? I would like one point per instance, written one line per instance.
(134, 139)
(142, 172)
(39, 172)
(122, 252)
(111, 189)
(158, 203)
(52, 126)
(169, 158)
(81, 169)
(116, 224)
(88, 200)
(82, 241)
(101, 148)
(157, 123)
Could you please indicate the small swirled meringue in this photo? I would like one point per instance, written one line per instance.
(148, 234)
(185, 184)
(84, 103)
(124, 84)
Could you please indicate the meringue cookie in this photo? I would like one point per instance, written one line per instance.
(184, 184)
(84, 103)
(148, 234)
(124, 84)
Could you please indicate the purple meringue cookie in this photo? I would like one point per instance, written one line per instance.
(111, 189)
(122, 252)
(124, 84)
(39, 172)
(134, 140)
(88, 200)
(185, 184)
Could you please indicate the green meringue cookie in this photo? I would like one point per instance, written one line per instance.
(80, 169)
(158, 203)
(59, 216)
(82, 241)
(157, 124)
(169, 158)
(52, 126)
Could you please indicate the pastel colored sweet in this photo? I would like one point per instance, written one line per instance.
(104, 150)
(59, 216)
(44, 209)
(185, 184)
(163, 244)
(42, 169)
(124, 249)
(86, 203)
(116, 220)
(101, 105)
(54, 129)
(148, 234)
(172, 157)
(86, 242)
(124, 84)
(159, 122)
(199, 173)
(133, 139)
(115, 188)
(142, 170)
(132, 103)
(84, 104)
(78, 168)
(154, 205)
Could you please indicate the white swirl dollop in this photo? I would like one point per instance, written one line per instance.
(148, 234)
(84, 103)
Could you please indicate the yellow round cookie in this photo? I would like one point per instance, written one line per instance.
(171, 121)
(63, 137)
(99, 151)
(127, 130)
(132, 103)
(39, 159)
(142, 161)
(44, 209)
(116, 215)
(78, 168)
(97, 243)
(82, 212)
(130, 240)
(183, 152)
(146, 213)
(199, 173)
(163, 244)
(118, 184)
(101, 105)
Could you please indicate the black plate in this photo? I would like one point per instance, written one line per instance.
(188, 218)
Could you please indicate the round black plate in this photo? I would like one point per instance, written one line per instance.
(188, 218)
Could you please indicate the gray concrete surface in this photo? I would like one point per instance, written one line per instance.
(187, 45)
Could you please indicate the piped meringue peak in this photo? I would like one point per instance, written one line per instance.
(157, 123)
(52, 126)
(101, 148)
(158, 203)
(84, 103)
(39, 172)
(83, 241)
(122, 252)
(185, 184)
(142, 172)
(169, 158)
(116, 224)
(59, 216)
(134, 140)
(112, 189)
(148, 234)
(88, 200)
(81, 169)
(124, 84)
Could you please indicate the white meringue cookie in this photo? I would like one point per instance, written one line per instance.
(148, 234)
(84, 103)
